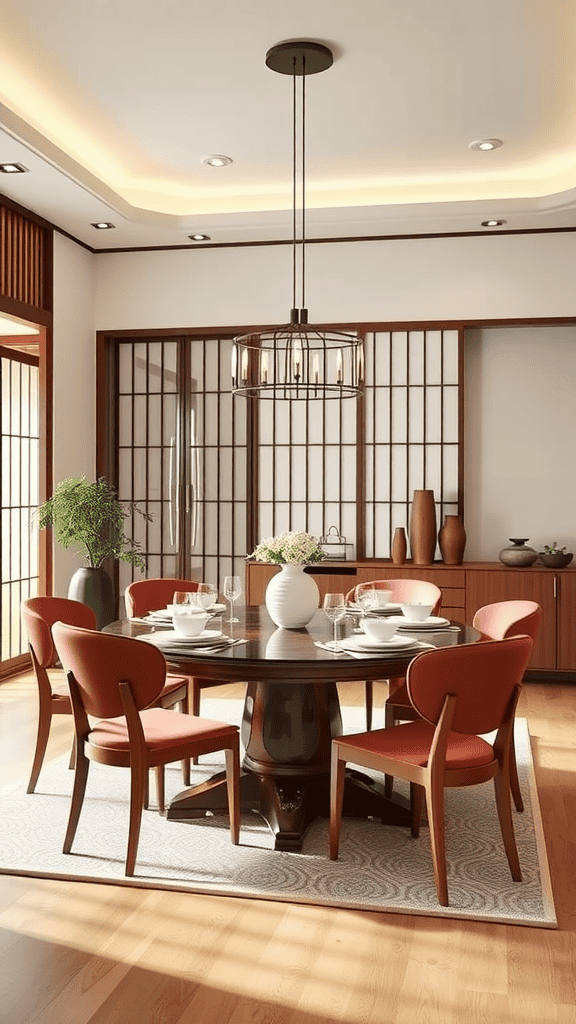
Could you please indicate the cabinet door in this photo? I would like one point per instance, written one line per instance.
(488, 586)
(566, 584)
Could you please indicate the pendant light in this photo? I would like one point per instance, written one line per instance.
(298, 360)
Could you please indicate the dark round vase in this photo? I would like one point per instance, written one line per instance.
(423, 527)
(519, 554)
(94, 588)
(452, 540)
(399, 546)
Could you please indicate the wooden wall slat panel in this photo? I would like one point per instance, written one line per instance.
(23, 255)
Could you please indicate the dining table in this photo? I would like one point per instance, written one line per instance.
(291, 713)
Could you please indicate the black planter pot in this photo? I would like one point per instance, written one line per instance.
(94, 588)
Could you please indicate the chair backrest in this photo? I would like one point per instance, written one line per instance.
(508, 618)
(143, 596)
(406, 591)
(99, 661)
(482, 676)
(39, 615)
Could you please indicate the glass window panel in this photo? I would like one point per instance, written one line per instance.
(415, 468)
(451, 415)
(379, 360)
(315, 473)
(369, 472)
(433, 357)
(240, 528)
(210, 420)
(282, 409)
(24, 542)
(434, 469)
(415, 414)
(15, 471)
(450, 460)
(265, 515)
(332, 468)
(433, 415)
(298, 423)
(16, 409)
(316, 422)
(348, 526)
(281, 518)
(125, 420)
(281, 478)
(399, 414)
(230, 429)
(450, 339)
(140, 368)
(154, 419)
(34, 402)
(332, 420)
(210, 475)
(225, 474)
(34, 478)
(125, 473)
(211, 527)
(382, 415)
(169, 415)
(382, 530)
(266, 419)
(155, 368)
(399, 475)
(299, 477)
(239, 463)
(25, 479)
(369, 529)
(368, 415)
(349, 463)
(398, 517)
(416, 357)
(6, 397)
(399, 357)
(265, 475)
(197, 363)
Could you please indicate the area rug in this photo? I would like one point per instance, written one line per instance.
(380, 868)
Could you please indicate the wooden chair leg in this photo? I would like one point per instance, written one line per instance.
(80, 779)
(337, 777)
(160, 787)
(417, 794)
(435, 805)
(369, 702)
(138, 782)
(44, 721)
(233, 790)
(388, 786)
(514, 780)
(502, 792)
(194, 700)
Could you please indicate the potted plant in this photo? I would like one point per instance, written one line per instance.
(90, 517)
(555, 557)
(291, 596)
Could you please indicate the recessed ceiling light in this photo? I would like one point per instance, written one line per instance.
(103, 225)
(199, 238)
(217, 160)
(485, 144)
(493, 223)
(13, 169)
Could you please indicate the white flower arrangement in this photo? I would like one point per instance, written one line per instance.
(289, 549)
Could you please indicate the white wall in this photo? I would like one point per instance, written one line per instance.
(74, 378)
(519, 416)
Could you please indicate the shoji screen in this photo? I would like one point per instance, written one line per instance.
(181, 454)
(308, 457)
(19, 475)
(412, 428)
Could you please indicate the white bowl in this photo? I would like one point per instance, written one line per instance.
(380, 629)
(416, 612)
(189, 622)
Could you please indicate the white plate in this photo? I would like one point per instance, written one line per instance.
(432, 622)
(170, 638)
(396, 644)
(389, 609)
(167, 611)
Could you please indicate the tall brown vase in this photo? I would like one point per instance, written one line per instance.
(399, 546)
(423, 527)
(452, 540)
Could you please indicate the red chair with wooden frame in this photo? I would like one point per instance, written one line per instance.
(495, 622)
(443, 747)
(144, 596)
(115, 683)
(403, 591)
(39, 615)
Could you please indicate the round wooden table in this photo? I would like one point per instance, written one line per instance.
(291, 713)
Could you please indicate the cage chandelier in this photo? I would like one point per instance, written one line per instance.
(298, 360)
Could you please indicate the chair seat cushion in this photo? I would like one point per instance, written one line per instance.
(411, 743)
(162, 729)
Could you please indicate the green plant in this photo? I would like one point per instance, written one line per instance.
(553, 549)
(91, 517)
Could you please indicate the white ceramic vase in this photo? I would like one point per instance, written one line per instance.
(292, 597)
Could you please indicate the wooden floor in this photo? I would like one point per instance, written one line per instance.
(73, 953)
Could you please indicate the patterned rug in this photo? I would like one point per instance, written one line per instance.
(380, 868)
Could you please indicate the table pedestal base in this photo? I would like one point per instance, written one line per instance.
(290, 805)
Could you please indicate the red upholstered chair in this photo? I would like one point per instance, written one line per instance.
(115, 682)
(143, 596)
(402, 592)
(38, 615)
(442, 748)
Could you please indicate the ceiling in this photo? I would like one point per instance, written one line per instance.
(112, 105)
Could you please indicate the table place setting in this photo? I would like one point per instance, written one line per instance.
(358, 647)
(209, 641)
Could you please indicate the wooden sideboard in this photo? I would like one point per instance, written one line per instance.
(465, 588)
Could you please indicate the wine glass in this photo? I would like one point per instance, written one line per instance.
(334, 608)
(207, 595)
(232, 589)
(366, 598)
